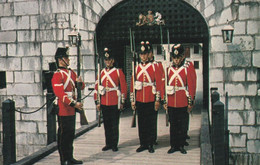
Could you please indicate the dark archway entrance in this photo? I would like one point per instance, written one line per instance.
(185, 25)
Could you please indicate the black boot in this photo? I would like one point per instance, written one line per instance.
(151, 149)
(182, 150)
(74, 161)
(141, 148)
(172, 150)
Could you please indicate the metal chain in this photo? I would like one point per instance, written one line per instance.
(19, 110)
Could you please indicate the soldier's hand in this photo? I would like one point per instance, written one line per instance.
(133, 106)
(156, 105)
(79, 105)
(165, 106)
(189, 108)
(98, 107)
(121, 107)
(79, 79)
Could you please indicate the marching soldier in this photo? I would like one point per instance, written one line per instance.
(113, 90)
(159, 70)
(147, 99)
(180, 90)
(63, 83)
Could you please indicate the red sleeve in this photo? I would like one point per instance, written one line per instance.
(123, 85)
(192, 80)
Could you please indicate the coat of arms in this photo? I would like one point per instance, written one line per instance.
(150, 19)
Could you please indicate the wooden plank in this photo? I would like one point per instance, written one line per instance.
(88, 146)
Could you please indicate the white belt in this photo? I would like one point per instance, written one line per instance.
(145, 84)
(111, 89)
(172, 89)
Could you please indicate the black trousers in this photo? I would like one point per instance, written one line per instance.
(66, 133)
(146, 123)
(178, 126)
(111, 124)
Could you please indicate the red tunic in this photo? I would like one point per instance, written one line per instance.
(147, 76)
(64, 89)
(113, 81)
(183, 80)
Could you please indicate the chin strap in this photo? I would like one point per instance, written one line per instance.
(64, 61)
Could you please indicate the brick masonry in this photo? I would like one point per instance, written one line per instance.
(30, 32)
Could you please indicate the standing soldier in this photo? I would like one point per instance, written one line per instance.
(159, 70)
(180, 90)
(112, 89)
(146, 102)
(63, 84)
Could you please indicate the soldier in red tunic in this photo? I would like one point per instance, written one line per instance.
(159, 70)
(112, 90)
(146, 101)
(64, 83)
(180, 89)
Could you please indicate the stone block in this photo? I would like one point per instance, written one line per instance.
(251, 74)
(209, 10)
(235, 75)
(37, 77)
(237, 59)
(34, 101)
(24, 89)
(251, 89)
(252, 103)
(257, 42)
(3, 63)
(88, 62)
(5, 9)
(26, 127)
(24, 36)
(252, 132)
(9, 77)
(24, 77)
(243, 43)
(253, 27)
(7, 37)
(89, 103)
(42, 127)
(256, 58)
(216, 60)
(253, 146)
(89, 77)
(248, 11)
(91, 114)
(217, 44)
(240, 28)
(46, 61)
(26, 8)
(237, 140)
(24, 49)
(49, 35)
(258, 118)
(216, 75)
(235, 89)
(20, 101)
(34, 22)
(31, 63)
(234, 129)
(13, 64)
(2, 50)
(56, 6)
(226, 14)
(15, 23)
(235, 103)
(49, 48)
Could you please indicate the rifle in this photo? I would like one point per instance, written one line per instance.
(98, 79)
(166, 75)
(83, 118)
(132, 44)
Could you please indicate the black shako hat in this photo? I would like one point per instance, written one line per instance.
(149, 46)
(108, 54)
(143, 48)
(177, 51)
(62, 52)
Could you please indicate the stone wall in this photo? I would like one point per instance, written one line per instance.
(31, 30)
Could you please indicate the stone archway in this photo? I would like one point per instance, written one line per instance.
(184, 23)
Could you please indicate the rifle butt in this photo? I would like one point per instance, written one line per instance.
(133, 125)
(83, 118)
